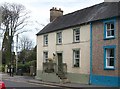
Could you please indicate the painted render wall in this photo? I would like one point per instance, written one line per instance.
(98, 52)
(99, 75)
(67, 49)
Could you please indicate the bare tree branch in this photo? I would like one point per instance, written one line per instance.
(26, 43)
(21, 32)
(13, 16)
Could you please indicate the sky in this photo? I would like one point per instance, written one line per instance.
(40, 11)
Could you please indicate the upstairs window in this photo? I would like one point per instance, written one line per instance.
(109, 29)
(45, 40)
(59, 38)
(76, 34)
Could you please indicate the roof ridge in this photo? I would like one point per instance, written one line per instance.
(84, 8)
(96, 12)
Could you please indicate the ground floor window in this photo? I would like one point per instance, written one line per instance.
(109, 57)
(45, 56)
(76, 58)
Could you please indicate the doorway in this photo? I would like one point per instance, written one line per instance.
(60, 62)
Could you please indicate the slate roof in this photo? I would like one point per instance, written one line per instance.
(97, 12)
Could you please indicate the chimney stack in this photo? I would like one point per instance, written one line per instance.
(54, 13)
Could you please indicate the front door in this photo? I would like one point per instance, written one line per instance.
(60, 67)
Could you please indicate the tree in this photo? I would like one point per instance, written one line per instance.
(14, 19)
(26, 46)
(27, 55)
(26, 43)
(27, 58)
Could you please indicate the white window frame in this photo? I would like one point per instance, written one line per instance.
(110, 30)
(59, 37)
(76, 58)
(45, 40)
(76, 35)
(45, 56)
(108, 58)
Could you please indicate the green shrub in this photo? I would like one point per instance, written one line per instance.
(2, 68)
(26, 67)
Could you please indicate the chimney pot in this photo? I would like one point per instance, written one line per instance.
(59, 9)
(54, 13)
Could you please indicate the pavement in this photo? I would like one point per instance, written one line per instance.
(33, 80)
(66, 85)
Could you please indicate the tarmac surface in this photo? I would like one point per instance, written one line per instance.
(30, 79)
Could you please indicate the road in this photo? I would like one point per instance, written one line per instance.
(21, 82)
(24, 85)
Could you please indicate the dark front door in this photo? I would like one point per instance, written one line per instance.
(60, 67)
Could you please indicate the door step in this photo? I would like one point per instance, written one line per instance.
(64, 80)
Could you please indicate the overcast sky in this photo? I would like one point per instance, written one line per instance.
(40, 10)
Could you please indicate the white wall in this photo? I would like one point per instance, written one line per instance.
(67, 49)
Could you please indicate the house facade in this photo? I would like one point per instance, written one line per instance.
(72, 47)
(81, 47)
(105, 66)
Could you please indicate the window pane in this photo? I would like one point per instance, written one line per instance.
(110, 29)
(46, 42)
(77, 32)
(111, 62)
(76, 35)
(76, 58)
(111, 52)
(77, 38)
(59, 38)
(108, 33)
(45, 39)
(108, 52)
(110, 57)
(59, 41)
(108, 61)
(77, 52)
(45, 56)
(77, 62)
(112, 32)
(108, 25)
(112, 26)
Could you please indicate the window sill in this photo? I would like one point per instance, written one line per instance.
(109, 38)
(109, 68)
(75, 67)
(76, 42)
(45, 45)
(59, 44)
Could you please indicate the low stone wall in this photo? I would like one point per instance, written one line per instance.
(72, 77)
(50, 77)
